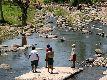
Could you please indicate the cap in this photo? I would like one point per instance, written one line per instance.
(73, 45)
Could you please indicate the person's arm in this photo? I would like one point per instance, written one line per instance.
(29, 55)
(53, 53)
(37, 56)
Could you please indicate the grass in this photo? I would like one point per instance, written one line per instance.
(12, 14)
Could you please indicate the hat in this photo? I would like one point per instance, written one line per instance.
(98, 50)
(73, 45)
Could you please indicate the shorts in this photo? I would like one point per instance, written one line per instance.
(35, 62)
(50, 61)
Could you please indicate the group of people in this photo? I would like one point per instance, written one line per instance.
(34, 58)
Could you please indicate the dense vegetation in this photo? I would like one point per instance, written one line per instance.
(74, 2)
(16, 11)
(20, 12)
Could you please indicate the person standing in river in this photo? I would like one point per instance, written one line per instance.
(46, 58)
(50, 55)
(24, 40)
(34, 58)
(73, 56)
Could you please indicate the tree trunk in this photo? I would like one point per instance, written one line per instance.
(1, 11)
(23, 6)
(24, 16)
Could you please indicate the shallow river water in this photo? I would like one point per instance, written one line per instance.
(85, 45)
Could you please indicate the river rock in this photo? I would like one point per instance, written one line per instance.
(98, 51)
(103, 78)
(45, 29)
(5, 66)
(14, 47)
(27, 46)
(1, 46)
(100, 61)
(105, 72)
(90, 60)
(28, 34)
(4, 54)
(21, 48)
(39, 48)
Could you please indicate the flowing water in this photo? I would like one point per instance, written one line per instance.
(85, 45)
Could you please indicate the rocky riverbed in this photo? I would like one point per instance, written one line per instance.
(76, 30)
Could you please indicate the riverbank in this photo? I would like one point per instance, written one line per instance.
(78, 17)
(65, 15)
(7, 32)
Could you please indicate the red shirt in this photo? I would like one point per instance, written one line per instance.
(47, 49)
(74, 57)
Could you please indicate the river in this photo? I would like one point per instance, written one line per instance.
(85, 45)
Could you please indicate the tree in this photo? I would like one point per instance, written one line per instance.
(23, 4)
(1, 11)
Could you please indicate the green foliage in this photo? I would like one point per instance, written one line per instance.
(57, 1)
(60, 12)
(12, 14)
(94, 1)
(31, 15)
(47, 1)
(71, 2)
(76, 2)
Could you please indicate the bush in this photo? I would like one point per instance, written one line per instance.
(47, 1)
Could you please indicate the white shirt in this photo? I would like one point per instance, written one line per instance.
(33, 56)
(73, 51)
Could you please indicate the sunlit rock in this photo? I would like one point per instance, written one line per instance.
(5, 66)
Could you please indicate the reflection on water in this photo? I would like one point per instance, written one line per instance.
(85, 45)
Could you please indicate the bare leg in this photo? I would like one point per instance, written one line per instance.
(73, 64)
(48, 68)
(51, 68)
(32, 68)
(46, 64)
(35, 68)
